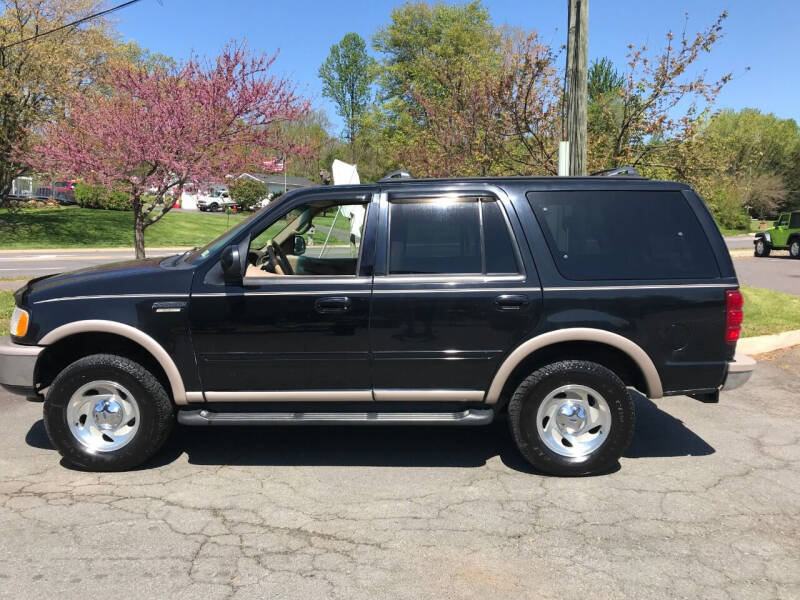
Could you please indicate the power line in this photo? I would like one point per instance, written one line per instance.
(73, 24)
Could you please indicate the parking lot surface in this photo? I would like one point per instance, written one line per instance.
(706, 503)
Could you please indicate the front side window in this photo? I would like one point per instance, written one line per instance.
(317, 238)
(595, 235)
(461, 236)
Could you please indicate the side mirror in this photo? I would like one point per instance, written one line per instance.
(299, 245)
(231, 265)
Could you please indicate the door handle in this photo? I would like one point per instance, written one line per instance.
(333, 304)
(168, 307)
(511, 301)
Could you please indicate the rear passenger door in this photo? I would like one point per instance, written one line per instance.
(452, 294)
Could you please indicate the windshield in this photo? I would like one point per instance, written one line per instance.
(201, 253)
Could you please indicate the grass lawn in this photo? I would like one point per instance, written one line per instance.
(767, 311)
(727, 232)
(90, 228)
(6, 306)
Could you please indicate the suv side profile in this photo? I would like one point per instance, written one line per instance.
(784, 235)
(449, 302)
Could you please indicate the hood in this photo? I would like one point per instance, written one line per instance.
(149, 275)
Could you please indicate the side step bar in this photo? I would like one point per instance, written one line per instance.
(470, 416)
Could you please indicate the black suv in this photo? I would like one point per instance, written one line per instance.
(405, 302)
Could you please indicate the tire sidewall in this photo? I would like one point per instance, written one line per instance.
(761, 248)
(150, 433)
(594, 376)
(794, 249)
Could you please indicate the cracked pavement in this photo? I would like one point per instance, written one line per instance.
(706, 503)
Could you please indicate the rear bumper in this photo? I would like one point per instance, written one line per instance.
(739, 372)
(18, 365)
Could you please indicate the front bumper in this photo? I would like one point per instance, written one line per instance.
(739, 371)
(18, 365)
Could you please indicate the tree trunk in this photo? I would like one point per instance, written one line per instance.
(138, 227)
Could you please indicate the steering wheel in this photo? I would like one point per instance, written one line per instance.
(280, 258)
(270, 260)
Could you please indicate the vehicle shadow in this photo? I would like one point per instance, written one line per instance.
(658, 434)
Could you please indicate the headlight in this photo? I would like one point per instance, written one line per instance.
(19, 322)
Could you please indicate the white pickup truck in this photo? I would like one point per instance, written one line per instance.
(218, 200)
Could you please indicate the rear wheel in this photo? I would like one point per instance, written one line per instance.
(107, 413)
(761, 249)
(794, 249)
(572, 418)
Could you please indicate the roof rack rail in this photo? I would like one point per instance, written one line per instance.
(399, 174)
(631, 171)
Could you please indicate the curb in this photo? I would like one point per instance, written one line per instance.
(767, 343)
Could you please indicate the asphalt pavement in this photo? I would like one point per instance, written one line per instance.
(705, 504)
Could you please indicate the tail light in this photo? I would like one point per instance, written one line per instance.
(733, 315)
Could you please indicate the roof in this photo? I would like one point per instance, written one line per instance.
(571, 181)
(278, 179)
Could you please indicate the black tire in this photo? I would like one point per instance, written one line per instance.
(202, 208)
(794, 248)
(524, 405)
(156, 412)
(214, 207)
(762, 249)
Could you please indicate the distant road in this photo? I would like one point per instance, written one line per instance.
(778, 272)
(35, 263)
(739, 241)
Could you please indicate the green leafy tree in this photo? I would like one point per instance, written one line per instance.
(603, 79)
(39, 74)
(247, 192)
(347, 76)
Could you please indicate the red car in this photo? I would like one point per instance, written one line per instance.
(62, 191)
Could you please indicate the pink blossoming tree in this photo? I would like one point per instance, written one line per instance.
(155, 130)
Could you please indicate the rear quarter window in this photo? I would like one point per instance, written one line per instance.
(596, 235)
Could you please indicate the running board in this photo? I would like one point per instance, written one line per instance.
(470, 416)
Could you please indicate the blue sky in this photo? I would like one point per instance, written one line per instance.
(764, 35)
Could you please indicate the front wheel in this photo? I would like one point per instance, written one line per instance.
(107, 413)
(572, 418)
(214, 207)
(794, 249)
(761, 248)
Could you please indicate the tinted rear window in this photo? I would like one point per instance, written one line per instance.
(794, 220)
(596, 235)
(434, 237)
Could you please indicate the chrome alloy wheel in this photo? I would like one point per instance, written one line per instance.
(573, 420)
(103, 416)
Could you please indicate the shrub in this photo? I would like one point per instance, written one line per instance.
(247, 192)
(726, 206)
(95, 196)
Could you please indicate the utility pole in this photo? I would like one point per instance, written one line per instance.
(577, 91)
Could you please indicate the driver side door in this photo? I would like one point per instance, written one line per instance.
(303, 335)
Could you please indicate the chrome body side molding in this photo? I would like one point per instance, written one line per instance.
(400, 395)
